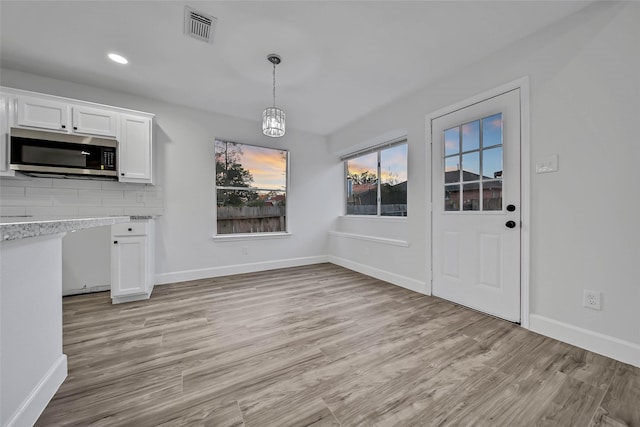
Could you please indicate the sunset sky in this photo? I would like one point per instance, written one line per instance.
(393, 164)
(266, 165)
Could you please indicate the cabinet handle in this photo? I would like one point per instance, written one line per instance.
(115, 242)
(75, 128)
(64, 126)
(122, 174)
(130, 229)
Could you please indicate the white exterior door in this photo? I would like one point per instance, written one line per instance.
(476, 206)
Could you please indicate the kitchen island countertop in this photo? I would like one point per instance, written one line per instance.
(14, 228)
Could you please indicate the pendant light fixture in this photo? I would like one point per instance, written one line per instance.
(273, 117)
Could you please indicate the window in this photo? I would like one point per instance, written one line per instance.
(251, 188)
(376, 181)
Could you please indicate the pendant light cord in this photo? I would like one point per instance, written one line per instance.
(274, 84)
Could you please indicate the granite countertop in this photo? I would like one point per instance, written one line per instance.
(14, 228)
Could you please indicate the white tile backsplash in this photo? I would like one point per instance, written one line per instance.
(77, 183)
(12, 210)
(102, 210)
(40, 191)
(70, 197)
(12, 191)
(104, 194)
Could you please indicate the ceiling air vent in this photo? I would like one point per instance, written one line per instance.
(199, 25)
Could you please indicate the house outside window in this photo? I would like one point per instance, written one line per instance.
(376, 180)
(251, 188)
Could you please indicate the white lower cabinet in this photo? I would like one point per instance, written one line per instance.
(131, 261)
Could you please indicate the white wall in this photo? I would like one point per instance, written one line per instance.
(185, 172)
(585, 106)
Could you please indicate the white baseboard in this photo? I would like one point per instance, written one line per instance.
(396, 279)
(31, 409)
(130, 298)
(605, 345)
(80, 291)
(228, 270)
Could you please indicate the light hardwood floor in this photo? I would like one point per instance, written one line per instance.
(322, 346)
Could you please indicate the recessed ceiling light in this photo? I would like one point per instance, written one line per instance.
(118, 58)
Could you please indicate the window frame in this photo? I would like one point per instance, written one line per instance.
(378, 150)
(254, 235)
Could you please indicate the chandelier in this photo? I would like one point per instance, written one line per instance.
(273, 117)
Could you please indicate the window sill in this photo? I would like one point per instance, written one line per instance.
(375, 218)
(249, 236)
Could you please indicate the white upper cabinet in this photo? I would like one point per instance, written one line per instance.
(54, 115)
(135, 149)
(4, 137)
(43, 114)
(132, 129)
(94, 121)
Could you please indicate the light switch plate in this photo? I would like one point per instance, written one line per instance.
(548, 164)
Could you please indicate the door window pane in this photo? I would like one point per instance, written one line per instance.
(451, 141)
(471, 136)
(452, 169)
(492, 163)
(452, 198)
(492, 130)
(362, 185)
(393, 180)
(492, 196)
(471, 197)
(471, 166)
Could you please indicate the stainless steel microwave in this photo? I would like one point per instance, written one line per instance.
(65, 154)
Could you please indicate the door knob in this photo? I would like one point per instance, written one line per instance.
(510, 224)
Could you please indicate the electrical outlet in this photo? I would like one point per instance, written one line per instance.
(244, 250)
(592, 299)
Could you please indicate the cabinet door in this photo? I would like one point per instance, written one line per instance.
(94, 121)
(129, 265)
(42, 113)
(135, 149)
(5, 154)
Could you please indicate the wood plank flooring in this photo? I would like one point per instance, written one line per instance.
(322, 346)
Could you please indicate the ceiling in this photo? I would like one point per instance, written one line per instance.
(340, 60)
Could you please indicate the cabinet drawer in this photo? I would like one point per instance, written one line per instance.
(130, 229)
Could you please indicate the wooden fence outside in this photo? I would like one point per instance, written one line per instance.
(251, 219)
(385, 210)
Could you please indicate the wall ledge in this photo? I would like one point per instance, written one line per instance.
(393, 278)
(615, 348)
(383, 240)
